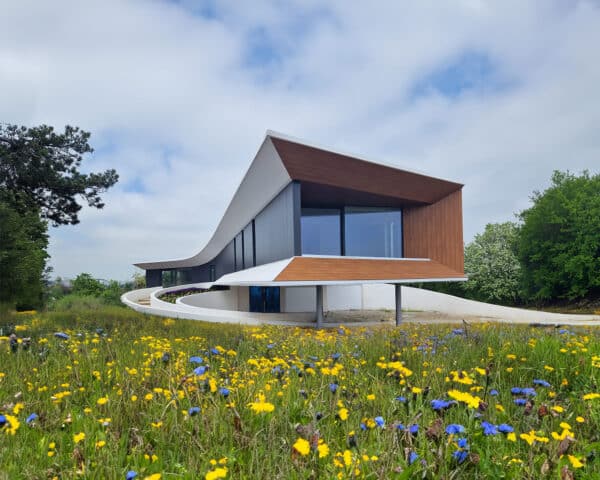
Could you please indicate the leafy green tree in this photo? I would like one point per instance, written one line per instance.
(23, 242)
(559, 240)
(40, 181)
(85, 284)
(40, 169)
(492, 265)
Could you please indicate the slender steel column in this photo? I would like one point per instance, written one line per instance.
(319, 306)
(398, 290)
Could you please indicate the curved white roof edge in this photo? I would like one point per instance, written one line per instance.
(263, 181)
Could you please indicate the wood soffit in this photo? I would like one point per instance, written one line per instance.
(348, 269)
(310, 164)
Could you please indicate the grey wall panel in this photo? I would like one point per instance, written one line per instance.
(200, 274)
(274, 228)
(248, 246)
(224, 263)
(153, 278)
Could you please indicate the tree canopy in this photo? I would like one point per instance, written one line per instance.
(39, 169)
(559, 240)
(492, 265)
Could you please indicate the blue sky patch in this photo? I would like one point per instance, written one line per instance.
(135, 185)
(471, 71)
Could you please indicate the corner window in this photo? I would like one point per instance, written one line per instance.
(373, 232)
(320, 229)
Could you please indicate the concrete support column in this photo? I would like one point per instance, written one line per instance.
(398, 290)
(319, 306)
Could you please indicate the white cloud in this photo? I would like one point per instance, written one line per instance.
(180, 102)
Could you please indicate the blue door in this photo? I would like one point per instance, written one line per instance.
(264, 299)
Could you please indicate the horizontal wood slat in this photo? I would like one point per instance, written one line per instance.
(347, 269)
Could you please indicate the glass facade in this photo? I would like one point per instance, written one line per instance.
(171, 278)
(352, 231)
(320, 229)
(373, 232)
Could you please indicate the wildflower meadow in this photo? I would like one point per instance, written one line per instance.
(113, 394)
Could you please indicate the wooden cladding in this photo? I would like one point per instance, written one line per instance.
(325, 269)
(436, 232)
(310, 164)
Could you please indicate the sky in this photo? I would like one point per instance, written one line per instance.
(178, 96)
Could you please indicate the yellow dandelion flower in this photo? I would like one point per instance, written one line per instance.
(78, 437)
(220, 472)
(323, 449)
(102, 401)
(302, 446)
(575, 462)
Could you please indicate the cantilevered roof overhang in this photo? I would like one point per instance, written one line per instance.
(333, 270)
(282, 159)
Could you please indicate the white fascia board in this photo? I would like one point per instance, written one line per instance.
(250, 276)
(265, 179)
(290, 138)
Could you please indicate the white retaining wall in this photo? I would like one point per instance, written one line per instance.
(298, 305)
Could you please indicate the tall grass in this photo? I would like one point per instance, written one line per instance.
(120, 394)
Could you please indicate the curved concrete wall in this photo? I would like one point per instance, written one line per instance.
(298, 304)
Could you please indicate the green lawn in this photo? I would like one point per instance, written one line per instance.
(182, 399)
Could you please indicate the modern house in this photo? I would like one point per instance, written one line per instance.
(311, 228)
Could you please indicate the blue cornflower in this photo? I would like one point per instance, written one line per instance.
(200, 370)
(440, 404)
(2, 421)
(493, 392)
(333, 387)
(413, 429)
(131, 474)
(505, 428)
(380, 421)
(458, 331)
(455, 429)
(336, 356)
(400, 427)
(362, 426)
(412, 458)
(193, 411)
(541, 383)
(530, 392)
(32, 418)
(460, 455)
(401, 399)
(489, 428)
(165, 357)
(462, 443)
(196, 359)
(516, 391)
(224, 391)
(270, 346)
(61, 335)
(520, 402)
(214, 351)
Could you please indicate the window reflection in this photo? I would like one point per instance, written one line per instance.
(373, 232)
(320, 229)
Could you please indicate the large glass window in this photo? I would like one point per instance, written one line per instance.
(373, 232)
(320, 229)
(171, 278)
